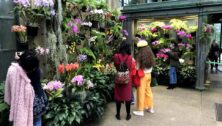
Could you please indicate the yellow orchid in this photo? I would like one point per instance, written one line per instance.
(98, 65)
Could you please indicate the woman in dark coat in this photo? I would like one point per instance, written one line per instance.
(122, 92)
(214, 54)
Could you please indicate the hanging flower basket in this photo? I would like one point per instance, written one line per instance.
(32, 31)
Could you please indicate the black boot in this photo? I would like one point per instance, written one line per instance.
(118, 117)
(118, 107)
(173, 86)
(170, 87)
(128, 117)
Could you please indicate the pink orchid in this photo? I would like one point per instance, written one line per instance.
(167, 27)
(122, 18)
(189, 36)
(75, 29)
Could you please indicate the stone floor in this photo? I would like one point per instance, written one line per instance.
(178, 107)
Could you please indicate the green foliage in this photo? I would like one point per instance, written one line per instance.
(94, 106)
(88, 52)
(188, 72)
(32, 14)
(64, 113)
(103, 84)
(179, 24)
(189, 55)
(3, 105)
(4, 108)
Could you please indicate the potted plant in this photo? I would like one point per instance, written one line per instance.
(86, 5)
(20, 31)
(32, 13)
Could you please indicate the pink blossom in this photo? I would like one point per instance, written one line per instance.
(181, 33)
(122, 18)
(155, 43)
(69, 24)
(77, 20)
(125, 33)
(188, 46)
(167, 27)
(78, 80)
(189, 36)
(53, 85)
(75, 29)
(165, 50)
(153, 30)
(46, 51)
(162, 56)
(181, 45)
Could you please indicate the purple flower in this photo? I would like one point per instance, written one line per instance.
(181, 45)
(81, 58)
(181, 33)
(38, 3)
(164, 50)
(122, 18)
(125, 33)
(44, 3)
(75, 29)
(53, 85)
(78, 80)
(69, 24)
(24, 3)
(188, 46)
(53, 13)
(155, 43)
(77, 20)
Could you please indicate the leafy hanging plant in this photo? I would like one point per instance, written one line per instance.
(178, 24)
(156, 24)
(207, 31)
(145, 33)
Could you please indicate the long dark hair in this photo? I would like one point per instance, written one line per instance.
(28, 60)
(145, 57)
(125, 48)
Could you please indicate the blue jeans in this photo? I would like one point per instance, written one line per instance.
(173, 75)
(132, 97)
(38, 121)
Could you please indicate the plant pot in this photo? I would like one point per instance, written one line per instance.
(193, 33)
(81, 95)
(32, 31)
(166, 35)
(95, 24)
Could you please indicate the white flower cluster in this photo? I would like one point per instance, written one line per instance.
(42, 51)
(100, 11)
(93, 39)
(181, 60)
(89, 24)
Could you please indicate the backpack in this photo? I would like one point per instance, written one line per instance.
(122, 75)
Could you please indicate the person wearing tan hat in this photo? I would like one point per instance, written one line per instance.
(145, 62)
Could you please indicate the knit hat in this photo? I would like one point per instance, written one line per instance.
(142, 43)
